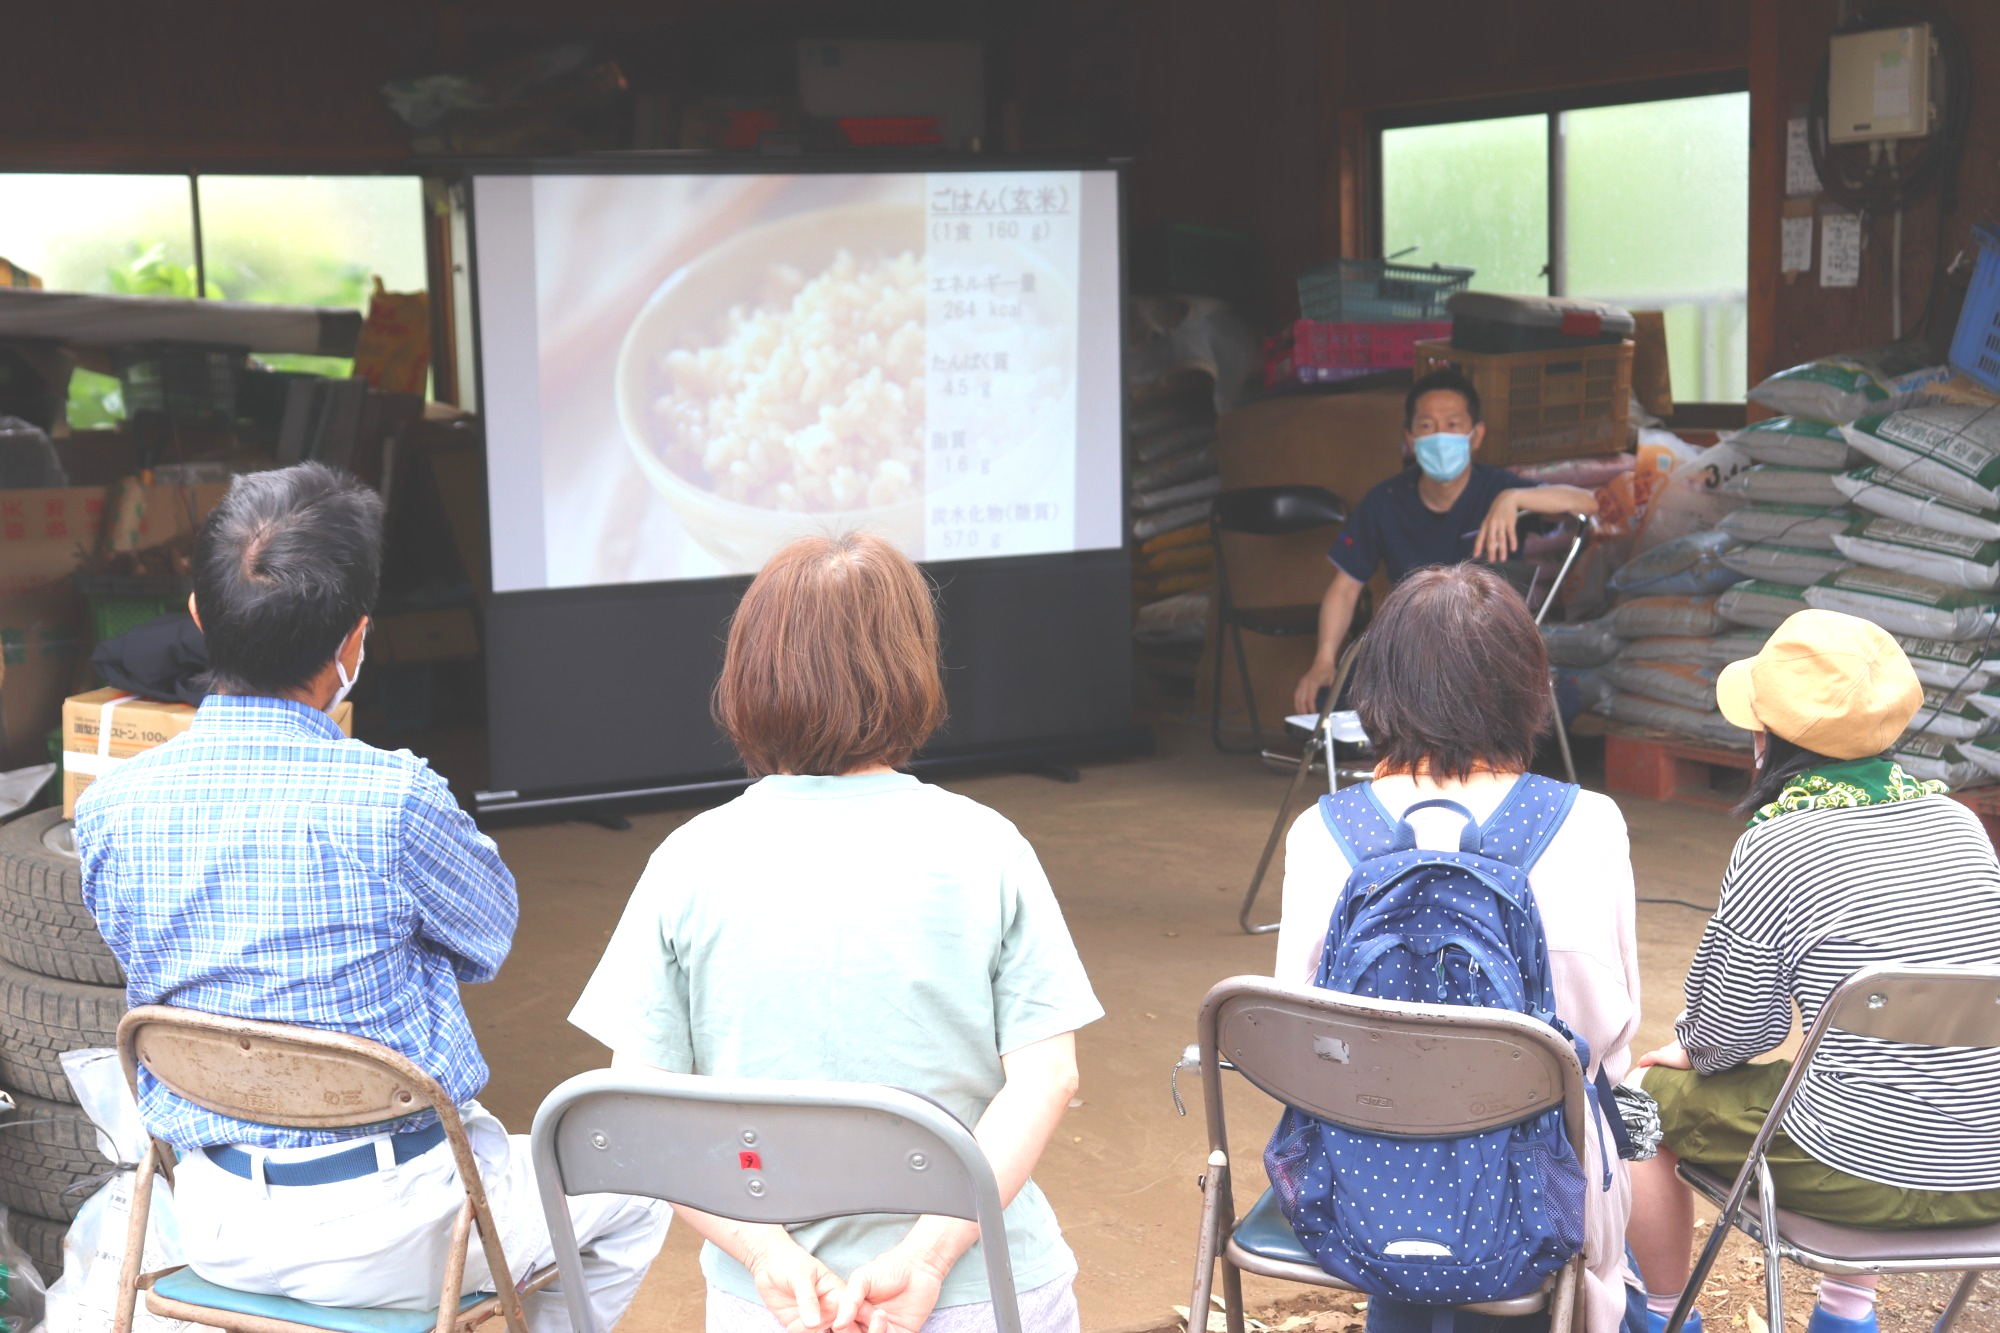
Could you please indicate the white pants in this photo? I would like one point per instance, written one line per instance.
(379, 1241)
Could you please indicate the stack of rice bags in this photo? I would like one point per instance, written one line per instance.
(1172, 445)
(1651, 659)
(1667, 639)
(1869, 501)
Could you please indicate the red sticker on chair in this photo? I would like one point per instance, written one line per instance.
(749, 1161)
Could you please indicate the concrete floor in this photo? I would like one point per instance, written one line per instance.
(1149, 857)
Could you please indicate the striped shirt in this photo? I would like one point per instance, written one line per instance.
(1810, 898)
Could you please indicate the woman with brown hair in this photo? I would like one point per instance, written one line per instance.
(841, 920)
(1452, 686)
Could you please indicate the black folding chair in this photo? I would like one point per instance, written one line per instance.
(1331, 727)
(1261, 511)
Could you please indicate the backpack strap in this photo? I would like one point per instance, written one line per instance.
(1527, 821)
(1359, 826)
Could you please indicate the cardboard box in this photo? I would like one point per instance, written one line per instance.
(102, 728)
(41, 643)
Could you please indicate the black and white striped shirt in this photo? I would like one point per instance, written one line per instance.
(1809, 898)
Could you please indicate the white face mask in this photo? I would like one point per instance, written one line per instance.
(347, 681)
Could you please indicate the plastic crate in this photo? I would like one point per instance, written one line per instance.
(185, 382)
(1348, 290)
(1975, 346)
(120, 602)
(1314, 353)
(1567, 402)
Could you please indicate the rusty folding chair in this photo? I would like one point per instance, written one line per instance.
(298, 1078)
(1912, 1006)
(1383, 1067)
(778, 1151)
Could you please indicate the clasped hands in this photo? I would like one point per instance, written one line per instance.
(892, 1293)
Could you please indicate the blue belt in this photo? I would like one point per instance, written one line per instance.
(331, 1169)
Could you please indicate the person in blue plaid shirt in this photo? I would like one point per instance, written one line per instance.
(262, 865)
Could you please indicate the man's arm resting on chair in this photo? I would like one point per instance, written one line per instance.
(1497, 538)
(1336, 615)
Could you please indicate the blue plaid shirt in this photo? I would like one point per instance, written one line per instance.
(265, 866)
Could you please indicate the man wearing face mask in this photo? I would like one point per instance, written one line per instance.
(262, 865)
(1443, 510)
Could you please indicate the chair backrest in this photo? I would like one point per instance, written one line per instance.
(273, 1073)
(1917, 1006)
(1387, 1066)
(764, 1150)
(1276, 511)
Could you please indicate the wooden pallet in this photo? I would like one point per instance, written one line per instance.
(1663, 767)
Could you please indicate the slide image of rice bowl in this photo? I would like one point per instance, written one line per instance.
(774, 386)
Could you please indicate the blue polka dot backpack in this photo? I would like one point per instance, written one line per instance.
(1438, 1221)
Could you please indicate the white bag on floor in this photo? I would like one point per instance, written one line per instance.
(1796, 442)
(1708, 726)
(1949, 666)
(1954, 715)
(1946, 557)
(1768, 483)
(1879, 490)
(1812, 526)
(1640, 617)
(1761, 605)
(1906, 604)
(1717, 650)
(1841, 388)
(1930, 759)
(1952, 450)
(85, 1298)
(1795, 566)
(1685, 683)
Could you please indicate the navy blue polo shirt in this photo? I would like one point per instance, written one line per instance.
(1393, 526)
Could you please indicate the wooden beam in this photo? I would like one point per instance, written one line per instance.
(1767, 186)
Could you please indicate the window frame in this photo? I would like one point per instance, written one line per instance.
(1550, 104)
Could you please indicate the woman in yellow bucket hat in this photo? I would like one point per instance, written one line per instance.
(1848, 862)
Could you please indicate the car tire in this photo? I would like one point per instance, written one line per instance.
(40, 1018)
(42, 1239)
(48, 1159)
(44, 927)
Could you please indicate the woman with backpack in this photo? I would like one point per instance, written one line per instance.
(1848, 863)
(1451, 683)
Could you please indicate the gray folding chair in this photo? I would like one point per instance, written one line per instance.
(1914, 1006)
(1333, 726)
(762, 1150)
(1429, 1071)
(298, 1078)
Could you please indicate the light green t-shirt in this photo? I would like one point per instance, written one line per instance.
(866, 928)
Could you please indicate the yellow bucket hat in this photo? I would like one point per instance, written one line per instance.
(1827, 682)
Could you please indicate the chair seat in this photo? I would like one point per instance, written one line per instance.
(187, 1287)
(1278, 621)
(1264, 1232)
(1816, 1244)
(1265, 1243)
(1344, 726)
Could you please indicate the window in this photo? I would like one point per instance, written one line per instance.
(1651, 212)
(293, 240)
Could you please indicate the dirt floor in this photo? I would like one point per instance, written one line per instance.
(1149, 858)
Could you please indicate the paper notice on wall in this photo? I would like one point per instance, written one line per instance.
(1840, 250)
(1800, 177)
(1892, 85)
(1796, 247)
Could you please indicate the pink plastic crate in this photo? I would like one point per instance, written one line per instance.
(1316, 352)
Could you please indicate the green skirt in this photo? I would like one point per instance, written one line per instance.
(1709, 1120)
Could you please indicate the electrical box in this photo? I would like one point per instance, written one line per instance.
(1879, 85)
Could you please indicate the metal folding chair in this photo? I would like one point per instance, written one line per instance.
(298, 1078)
(1260, 511)
(762, 1150)
(1914, 1006)
(1332, 726)
(1429, 1071)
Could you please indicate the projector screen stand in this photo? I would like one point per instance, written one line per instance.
(1055, 772)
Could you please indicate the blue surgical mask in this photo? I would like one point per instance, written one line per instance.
(1443, 457)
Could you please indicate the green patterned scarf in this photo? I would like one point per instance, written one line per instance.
(1853, 782)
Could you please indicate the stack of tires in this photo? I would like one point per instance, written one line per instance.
(60, 990)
